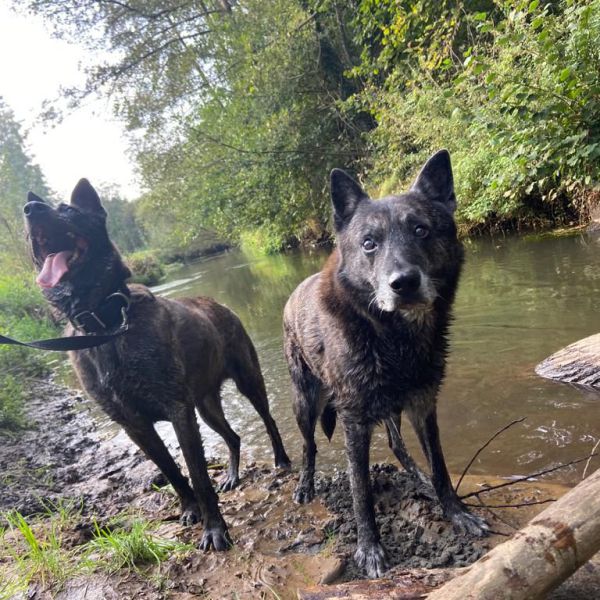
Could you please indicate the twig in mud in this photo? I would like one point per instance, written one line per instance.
(496, 517)
(513, 505)
(587, 464)
(484, 447)
(527, 477)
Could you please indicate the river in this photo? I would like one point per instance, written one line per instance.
(519, 301)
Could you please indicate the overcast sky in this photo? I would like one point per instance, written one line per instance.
(89, 142)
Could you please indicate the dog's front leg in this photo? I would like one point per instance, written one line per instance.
(428, 433)
(188, 435)
(369, 554)
(145, 436)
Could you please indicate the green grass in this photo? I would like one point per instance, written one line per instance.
(40, 549)
(132, 547)
(40, 555)
(24, 315)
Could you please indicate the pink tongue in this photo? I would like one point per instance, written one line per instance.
(54, 269)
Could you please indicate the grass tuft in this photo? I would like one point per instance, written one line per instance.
(133, 548)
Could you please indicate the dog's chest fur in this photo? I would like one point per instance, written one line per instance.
(372, 368)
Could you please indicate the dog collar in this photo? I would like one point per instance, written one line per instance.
(112, 314)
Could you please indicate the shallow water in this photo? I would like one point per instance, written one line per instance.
(519, 301)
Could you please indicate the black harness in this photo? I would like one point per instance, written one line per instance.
(108, 322)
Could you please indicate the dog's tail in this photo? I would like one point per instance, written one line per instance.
(328, 419)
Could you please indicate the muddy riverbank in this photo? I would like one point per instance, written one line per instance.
(279, 547)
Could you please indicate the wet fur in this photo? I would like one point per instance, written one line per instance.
(173, 359)
(357, 350)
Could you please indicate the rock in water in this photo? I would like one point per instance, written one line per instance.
(578, 363)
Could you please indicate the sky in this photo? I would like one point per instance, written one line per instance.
(90, 142)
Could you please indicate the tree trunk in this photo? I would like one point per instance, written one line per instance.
(539, 557)
(577, 363)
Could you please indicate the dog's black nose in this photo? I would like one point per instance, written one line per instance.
(35, 208)
(406, 281)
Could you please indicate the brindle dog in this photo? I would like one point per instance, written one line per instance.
(366, 338)
(172, 359)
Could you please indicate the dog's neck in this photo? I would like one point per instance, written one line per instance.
(89, 308)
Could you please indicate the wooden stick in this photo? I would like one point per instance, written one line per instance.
(526, 478)
(484, 447)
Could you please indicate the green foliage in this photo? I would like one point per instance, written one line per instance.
(124, 226)
(24, 316)
(145, 267)
(519, 116)
(247, 105)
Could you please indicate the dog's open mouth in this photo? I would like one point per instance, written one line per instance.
(58, 254)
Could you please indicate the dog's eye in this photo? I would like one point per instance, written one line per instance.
(369, 245)
(421, 231)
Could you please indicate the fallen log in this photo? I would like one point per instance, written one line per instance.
(577, 363)
(539, 557)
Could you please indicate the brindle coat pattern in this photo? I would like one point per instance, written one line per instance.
(172, 360)
(366, 338)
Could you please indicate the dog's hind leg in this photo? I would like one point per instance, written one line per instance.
(146, 438)
(396, 444)
(215, 533)
(306, 390)
(369, 554)
(249, 381)
(211, 411)
(427, 431)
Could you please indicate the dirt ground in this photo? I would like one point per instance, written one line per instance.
(279, 547)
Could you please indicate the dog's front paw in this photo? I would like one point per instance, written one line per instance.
(216, 537)
(466, 522)
(229, 482)
(372, 558)
(190, 515)
(283, 463)
(305, 491)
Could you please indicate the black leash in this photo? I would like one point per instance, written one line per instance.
(77, 342)
(116, 305)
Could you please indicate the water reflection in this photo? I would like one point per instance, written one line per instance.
(518, 302)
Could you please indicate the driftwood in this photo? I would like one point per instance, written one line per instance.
(534, 561)
(539, 557)
(578, 363)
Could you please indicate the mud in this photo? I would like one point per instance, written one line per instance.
(409, 518)
(279, 547)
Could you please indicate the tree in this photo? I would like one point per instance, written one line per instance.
(18, 175)
(242, 105)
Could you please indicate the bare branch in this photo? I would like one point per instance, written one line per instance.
(485, 446)
(527, 477)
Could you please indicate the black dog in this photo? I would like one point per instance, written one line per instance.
(172, 359)
(366, 338)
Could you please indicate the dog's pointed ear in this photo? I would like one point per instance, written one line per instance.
(436, 181)
(346, 195)
(85, 198)
(31, 197)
